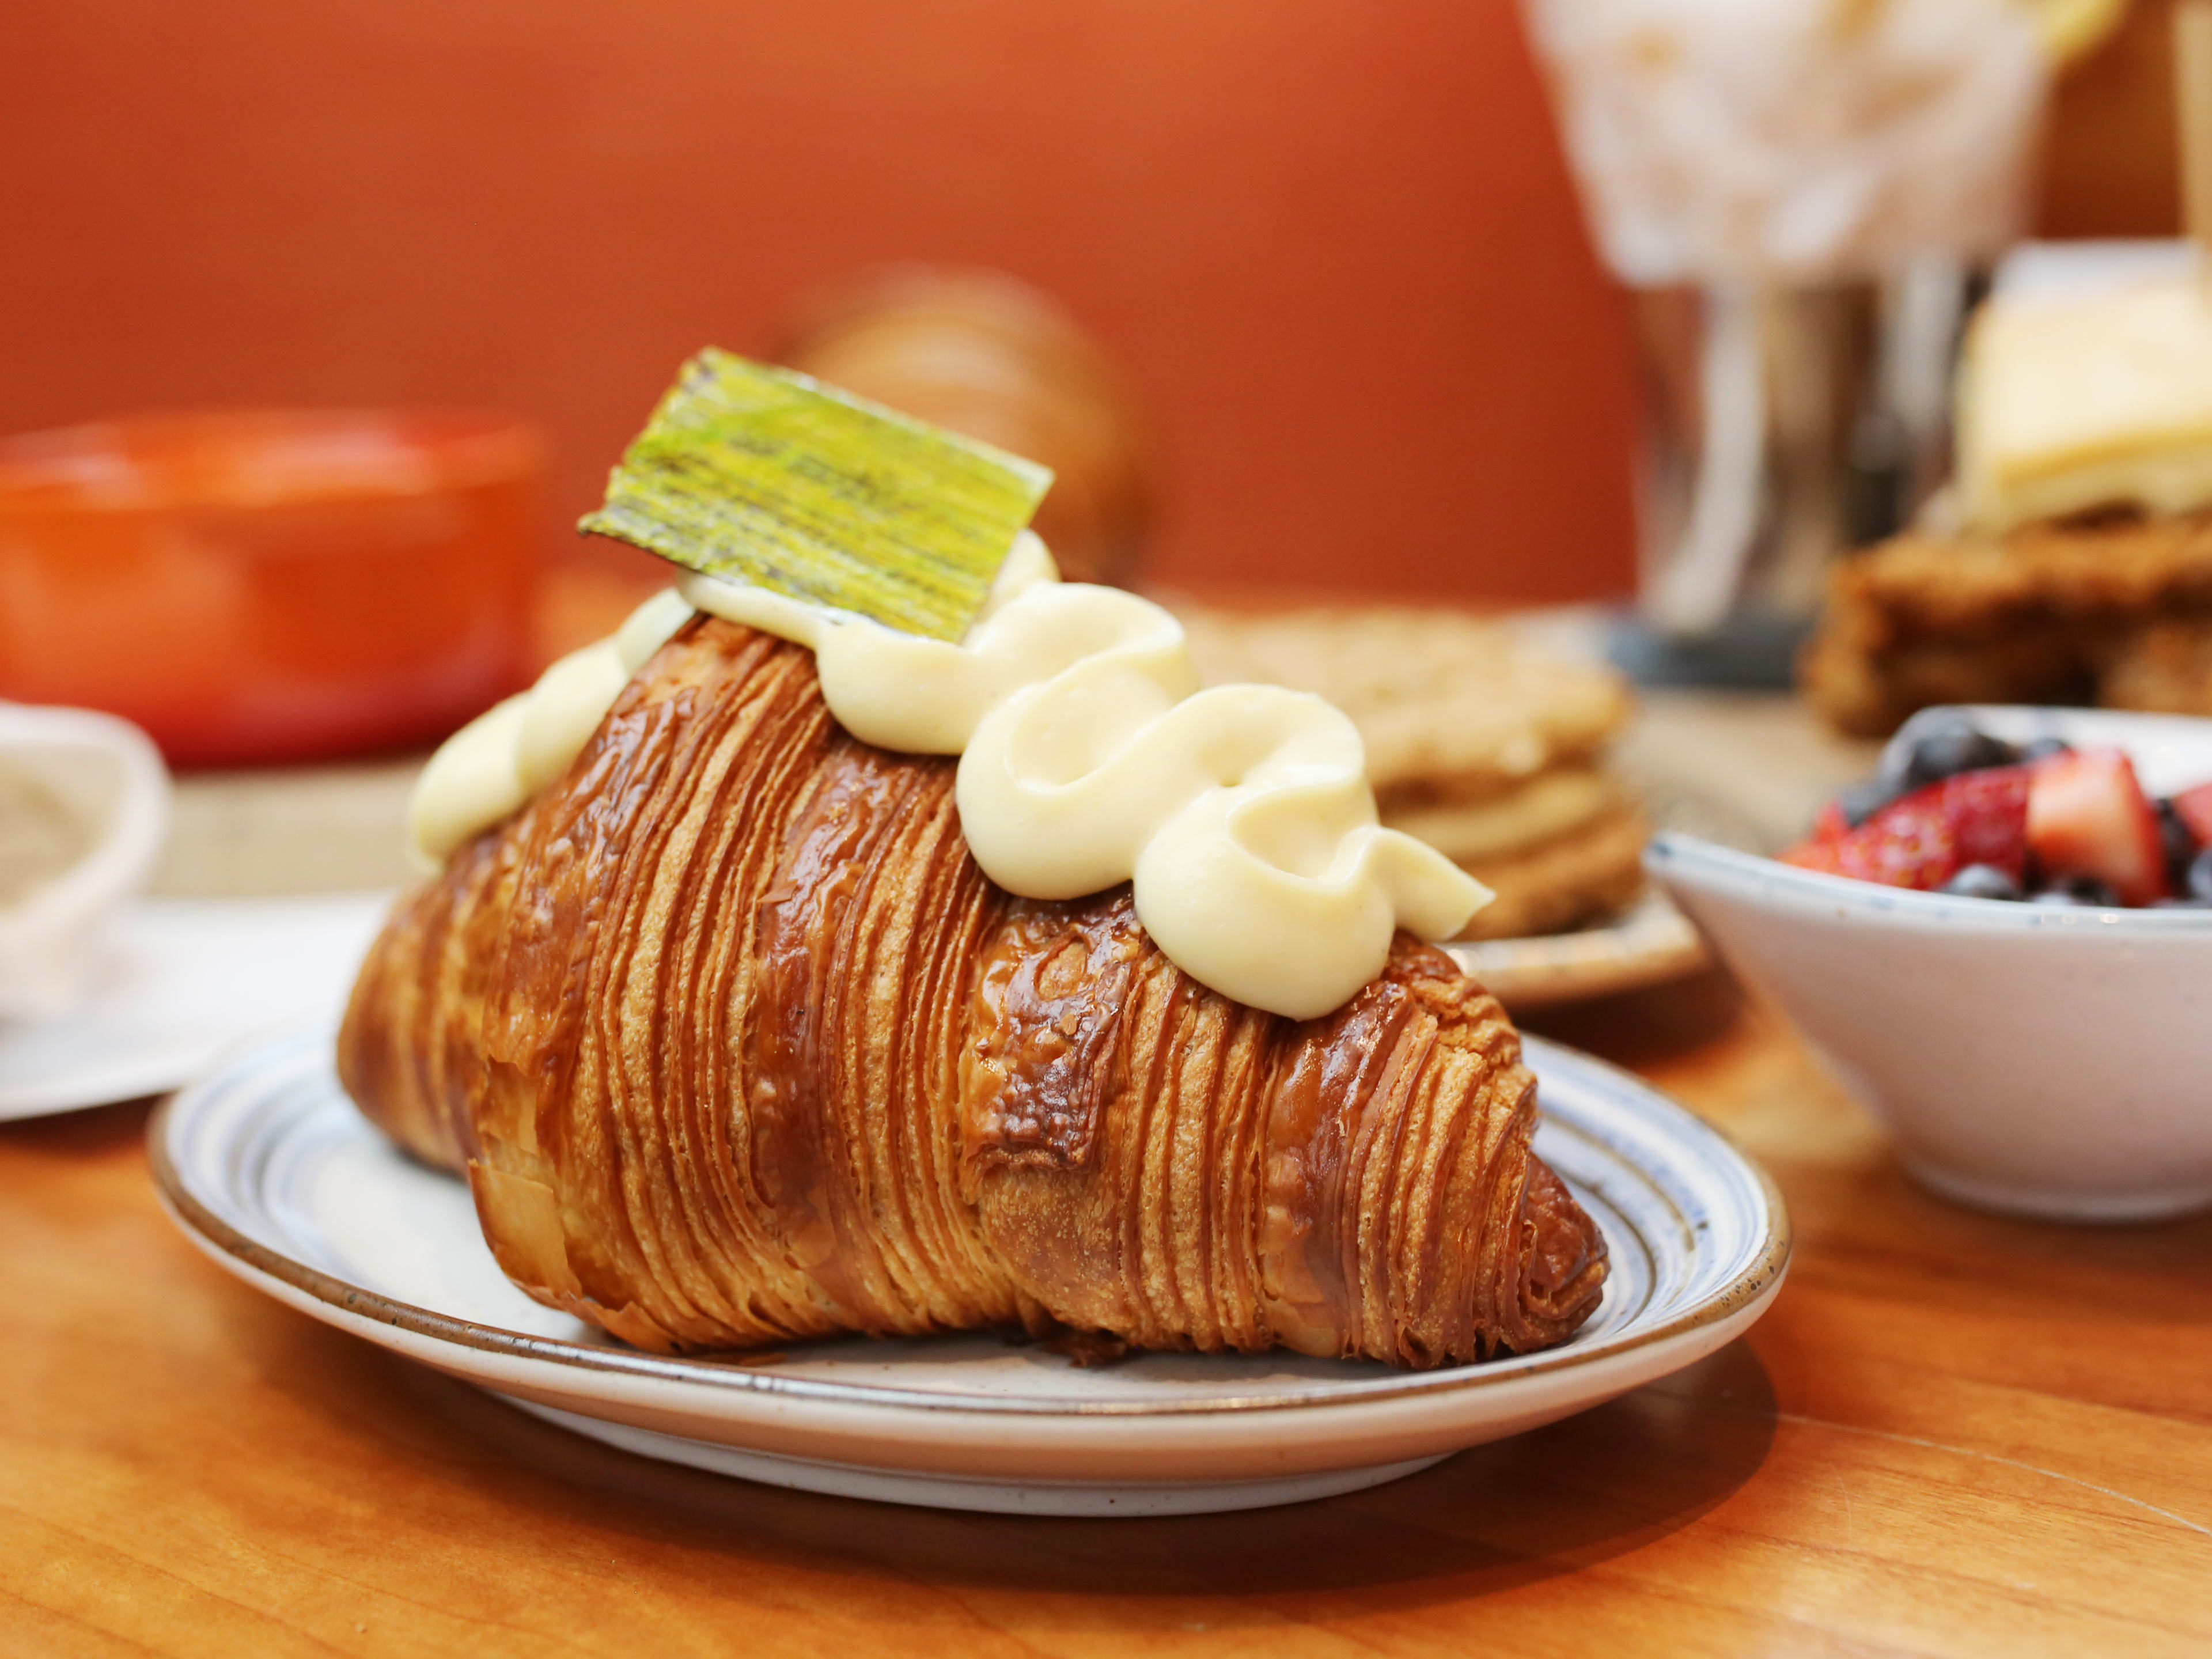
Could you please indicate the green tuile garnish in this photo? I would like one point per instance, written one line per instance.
(766, 476)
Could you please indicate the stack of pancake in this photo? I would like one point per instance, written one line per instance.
(1488, 750)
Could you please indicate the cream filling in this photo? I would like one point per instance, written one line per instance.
(2101, 401)
(485, 771)
(1241, 815)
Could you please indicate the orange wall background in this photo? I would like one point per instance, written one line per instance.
(1332, 245)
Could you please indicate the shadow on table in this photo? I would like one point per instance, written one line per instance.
(93, 1132)
(1646, 1028)
(1546, 1502)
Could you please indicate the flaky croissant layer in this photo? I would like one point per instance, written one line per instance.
(737, 1045)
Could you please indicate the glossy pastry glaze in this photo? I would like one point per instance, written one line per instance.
(738, 1044)
(1088, 758)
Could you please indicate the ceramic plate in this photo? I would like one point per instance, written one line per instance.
(270, 1170)
(185, 980)
(1651, 944)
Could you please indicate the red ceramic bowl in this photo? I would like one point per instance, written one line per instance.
(256, 586)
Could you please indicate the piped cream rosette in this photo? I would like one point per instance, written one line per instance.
(1241, 815)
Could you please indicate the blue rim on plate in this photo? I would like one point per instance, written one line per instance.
(1698, 1233)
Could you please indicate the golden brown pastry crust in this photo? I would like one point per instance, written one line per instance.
(737, 1045)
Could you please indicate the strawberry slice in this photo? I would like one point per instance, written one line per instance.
(1929, 836)
(1832, 825)
(2194, 807)
(2088, 816)
(1988, 812)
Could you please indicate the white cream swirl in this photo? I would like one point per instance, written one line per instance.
(486, 770)
(1088, 756)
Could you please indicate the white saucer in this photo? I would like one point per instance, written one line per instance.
(270, 1170)
(1648, 945)
(185, 980)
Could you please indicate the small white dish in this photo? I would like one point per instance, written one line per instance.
(2040, 1061)
(101, 782)
(1648, 945)
(182, 980)
(271, 1171)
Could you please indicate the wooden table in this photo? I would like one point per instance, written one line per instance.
(1951, 1435)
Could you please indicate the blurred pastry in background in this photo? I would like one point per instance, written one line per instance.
(986, 355)
(2071, 560)
(2115, 610)
(1488, 750)
(2166, 668)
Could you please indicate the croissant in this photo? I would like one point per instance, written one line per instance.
(737, 1045)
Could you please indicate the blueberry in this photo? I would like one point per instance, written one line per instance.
(1901, 765)
(2086, 890)
(2038, 749)
(2198, 879)
(1861, 801)
(1946, 751)
(1982, 881)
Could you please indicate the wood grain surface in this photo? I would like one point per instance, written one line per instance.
(1953, 1434)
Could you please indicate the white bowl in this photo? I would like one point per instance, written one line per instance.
(2043, 1061)
(103, 774)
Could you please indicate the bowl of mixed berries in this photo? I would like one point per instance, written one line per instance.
(1955, 808)
(2002, 945)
